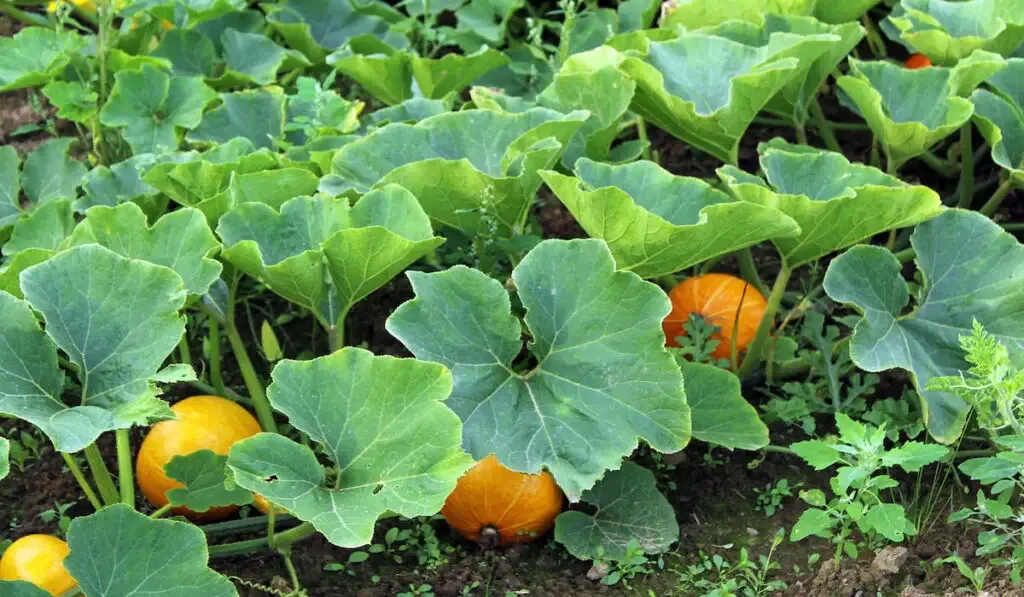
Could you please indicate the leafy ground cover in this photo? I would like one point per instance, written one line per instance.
(479, 297)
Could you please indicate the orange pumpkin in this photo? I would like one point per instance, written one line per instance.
(38, 559)
(203, 423)
(493, 505)
(917, 61)
(263, 505)
(717, 298)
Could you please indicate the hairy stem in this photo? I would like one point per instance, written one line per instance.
(216, 376)
(161, 511)
(825, 128)
(76, 472)
(940, 166)
(101, 476)
(993, 204)
(966, 187)
(755, 348)
(748, 270)
(264, 412)
(125, 475)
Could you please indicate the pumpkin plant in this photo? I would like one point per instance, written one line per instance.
(999, 114)
(947, 32)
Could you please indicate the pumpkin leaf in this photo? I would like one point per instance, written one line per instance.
(1000, 116)
(117, 327)
(20, 262)
(462, 166)
(390, 77)
(34, 55)
(45, 228)
(603, 377)
(73, 100)
(20, 588)
(319, 253)
(10, 186)
(629, 509)
(834, 43)
(196, 11)
(720, 414)
(656, 223)
(121, 183)
(968, 262)
(180, 240)
(843, 12)
(947, 32)
(256, 115)
(50, 173)
(694, 14)
(883, 92)
(706, 89)
(105, 557)
(318, 27)
(380, 420)
(253, 57)
(835, 203)
(203, 474)
(190, 52)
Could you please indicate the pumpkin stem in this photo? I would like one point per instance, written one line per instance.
(489, 538)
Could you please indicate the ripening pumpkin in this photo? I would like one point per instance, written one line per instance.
(263, 505)
(38, 559)
(717, 297)
(493, 505)
(203, 423)
(917, 61)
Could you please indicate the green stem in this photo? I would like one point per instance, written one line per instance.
(184, 352)
(294, 535)
(1013, 226)
(801, 134)
(161, 511)
(825, 128)
(993, 204)
(125, 475)
(286, 554)
(101, 476)
(973, 453)
(228, 392)
(748, 270)
(800, 366)
(336, 333)
(940, 166)
(282, 540)
(779, 450)
(755, 348)
(76, 472)
(906, 255)
(264, 412)
(641, 131)
(242, 524)
(216, 376)
(874, 38)
(966, 166)
(835, 126)
(271, 527)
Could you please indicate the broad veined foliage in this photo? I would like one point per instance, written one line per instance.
(829, 11)
(117, 320)
(382, 423)
(318, 27)
(694, 14)
(706, 89)
(324, 255)
(49, 173)
(887, 96)
(656, 223)
(240, 57)
(256, 114)
(120, 183)
(34, 55)
(835, 203)
(1000, 116)
(947, 31)
(794, 99)
(195, 11)
(462, 166)
(602, 377)
(392, 77)
(972, 271)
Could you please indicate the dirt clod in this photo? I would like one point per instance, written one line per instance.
(889, 561)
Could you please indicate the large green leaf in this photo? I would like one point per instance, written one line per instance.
(115, 318)
(629, 508)
(948, 31)
(1000, 116)
(74, 101)
(602, 378)
(196, 11)
(120, 183)
(463, 166)
(152, 106)
(257, 115)
(50, 173)
(390, 78)
(204, 475)
(831, 11)
(656, 223)
(20, 588)
(45, 228)
(693, 14)
(118, 552)
(381, 422)
(10, 186)
(816, 63)
(888, 96)
(835, 203)
(254, 58)
(972, 271)
(318, 27)
(180, 240)
(34, 55)
(319, 253)
(706, 89)
(720, 414)
(12, 268)
(190, 52)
